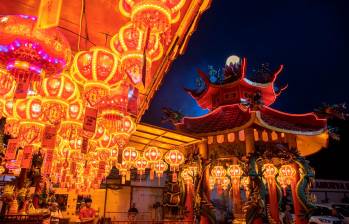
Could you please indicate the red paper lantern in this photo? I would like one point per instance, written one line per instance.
(269, 171)
(154, 15)
(129, 44)
(96, 71)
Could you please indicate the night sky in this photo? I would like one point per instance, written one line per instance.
(310, 37)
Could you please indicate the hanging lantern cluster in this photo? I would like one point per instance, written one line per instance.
(220, 177)
(77, 110)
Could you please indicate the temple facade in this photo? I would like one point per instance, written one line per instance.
(251, 158)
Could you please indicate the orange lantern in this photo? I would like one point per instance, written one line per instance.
(57, 93)
(96, 71)
(29, 53)
(157, 16)
(187, 174)
(174, 158)
(152, 154)
(235, 172)
(123, 168)
(286, 176)
(141, 164)
(130, 155)
(269, 171)
(129, 44)
(29, 111)
(160, 167)
(225, 183)
(211, 182)
(218, 173)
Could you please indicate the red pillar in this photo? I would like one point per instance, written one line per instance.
(236, 197)
(189, 201)
(273, 201)
(204, 219)
(298, 209)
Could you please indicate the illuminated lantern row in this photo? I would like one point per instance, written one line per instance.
(154, 15)
(129, 44)
(29, 53)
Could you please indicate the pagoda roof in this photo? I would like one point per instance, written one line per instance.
(236, 117)
(242, 88)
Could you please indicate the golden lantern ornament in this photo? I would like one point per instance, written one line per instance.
(96, 71)
(225, 183)
(141, 164)
(235, 172)
(269, 171)
(160, 167)
(152, 154)
(174, 158)
(218, 173)
(57, 93)
(131, 45)
(130, 155)
(286, 175)
(157, 16)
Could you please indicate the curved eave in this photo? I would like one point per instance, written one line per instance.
(187, 120)
(321, 124)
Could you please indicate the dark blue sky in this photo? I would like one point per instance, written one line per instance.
(310, 37)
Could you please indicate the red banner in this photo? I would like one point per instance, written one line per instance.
(90, 119)
(48, 161)
(49, 137)
(84, 146)
(27, 157)
(11, 149)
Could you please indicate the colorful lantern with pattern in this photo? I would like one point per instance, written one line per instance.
(141, 164)
(29, 53)
(286, 175)
(235, 172)
(174, 158)
(218, 173)
(160, 167)
(152, 154)
(29, 111)
(154, 15)
(269, 171)
(129, 155)
(96, 71)
(130, 44)
(57, 94)
(225, 183)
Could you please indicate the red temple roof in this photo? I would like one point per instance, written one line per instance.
(237, 117)
(215, 95)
